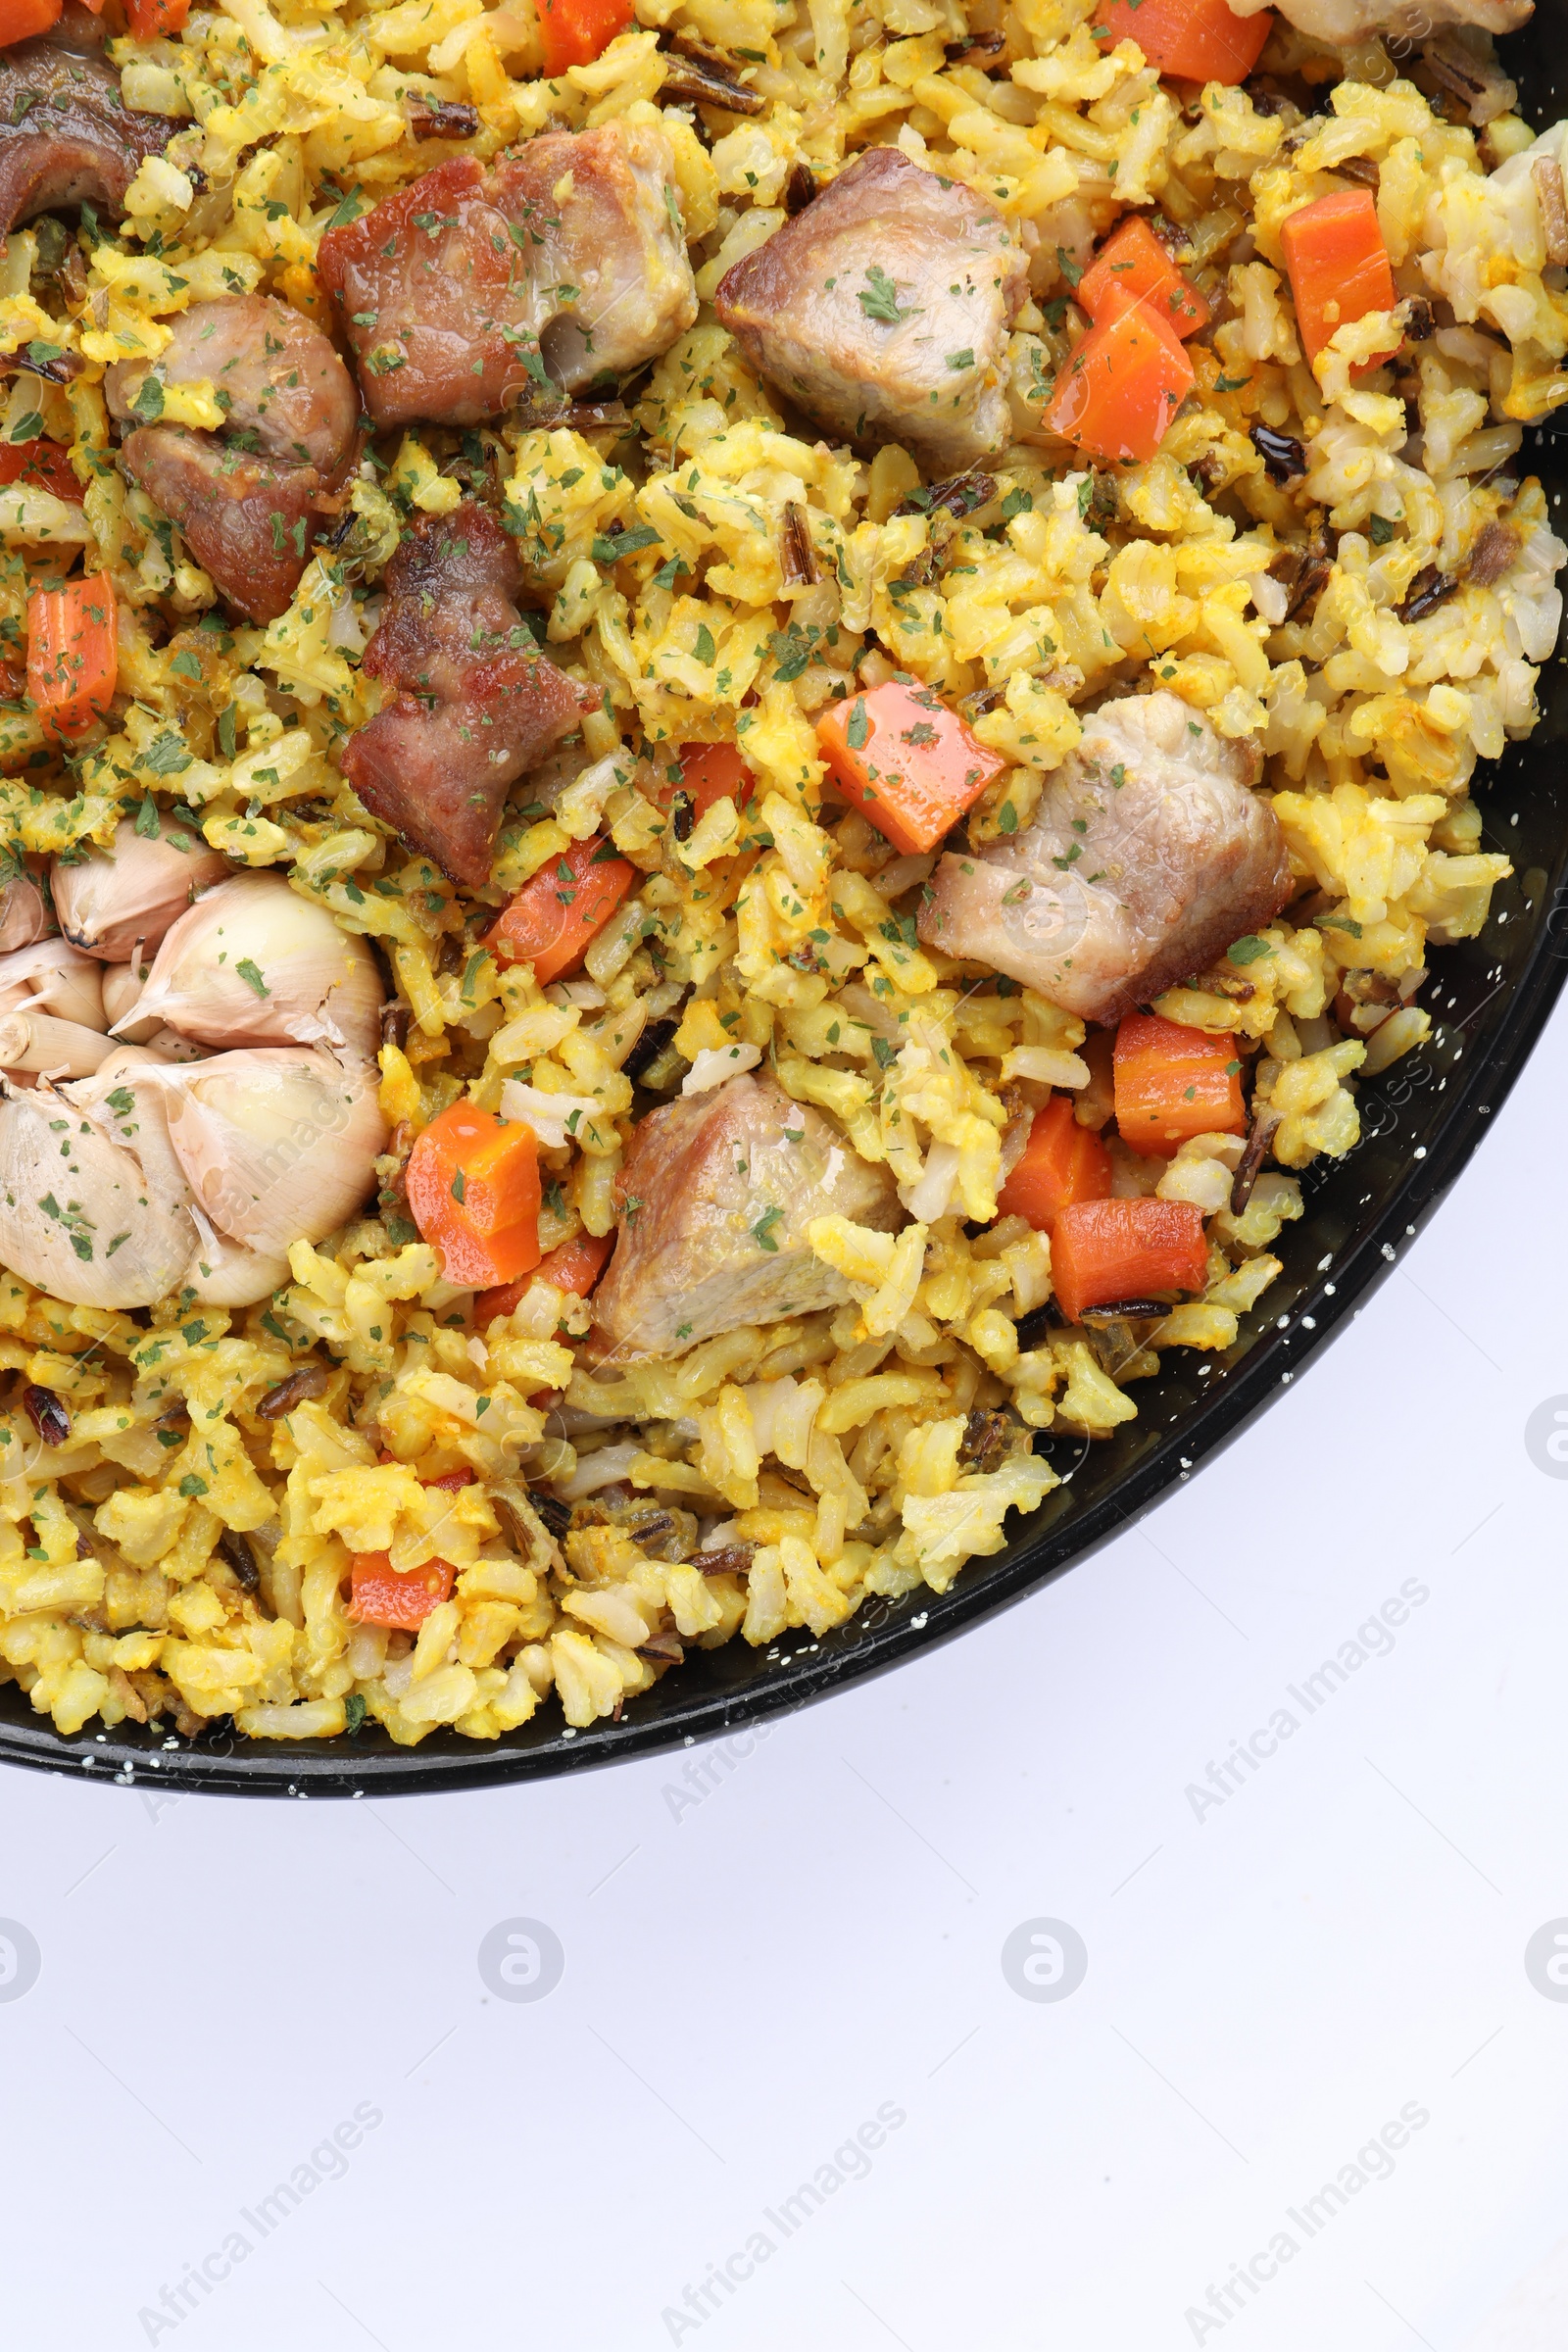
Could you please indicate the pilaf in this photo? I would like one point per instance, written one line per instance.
(729, 728)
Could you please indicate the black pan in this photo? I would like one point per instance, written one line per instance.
(1421, 1121)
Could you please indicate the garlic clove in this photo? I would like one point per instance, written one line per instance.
(254, 963)
(23, 915)
(111, 899)
(36, 1040)
(226, 1273)
(89, 1228)
(128, 1108)
(126, 1059)
(169, 1046)
(278, 1146)
(123, 984)
(51, 976)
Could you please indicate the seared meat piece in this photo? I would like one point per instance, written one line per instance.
(244, 498)
(476, 704)
(1146, 856)
(610, 272)
(883, 310)
(714, 1199)
(476, 291)
(247, 525)
(434, 298)
(290, 398)
(66, 138)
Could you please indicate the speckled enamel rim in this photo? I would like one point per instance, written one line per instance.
(1489, 999)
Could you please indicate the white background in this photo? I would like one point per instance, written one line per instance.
(751, 1977)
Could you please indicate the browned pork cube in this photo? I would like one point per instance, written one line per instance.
(476, 704)
(66, 138)
(245, 498)
(883, 310)
(716, 1196)
(1146, 856)
(607, 251)
(474, 291)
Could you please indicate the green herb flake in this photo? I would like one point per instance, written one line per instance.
(762, 1230)
(879, 298)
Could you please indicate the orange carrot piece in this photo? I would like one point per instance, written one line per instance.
(473, 1191)
(72, 653)
(1338, 266)
(1118, 391)
(19, 19)
(553, 919)
(573, 32)
(382, 1595)
(1105, 1252)
(1135, 261)
(150, 20)
(1062, 1162)
(450, 1481)
(1193, 40)
(578, 1264)
(1173, 1082)
(709, 772)
(401, 1598)
(906, 761)
(575, 1266)
(40, 465)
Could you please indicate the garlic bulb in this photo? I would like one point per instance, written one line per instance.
(111, 899)
(253, 963)
(89, 1227)
(277, 1146)
(24, 916)
(96, 1176)
(36, 1040)
(128, 1111)
(53, 976)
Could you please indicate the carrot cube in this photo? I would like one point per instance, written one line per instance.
(1106, 1251)
(1172, 1082)
(906, 761)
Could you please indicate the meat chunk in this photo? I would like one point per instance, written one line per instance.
(288, 396)
(475, 705)
(883, 310)
(244, 498)
(611, 264)
(247, 525)
(1146, 856)
(474, 291)
(66, 138)
(435, 300)
(714, 1199)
